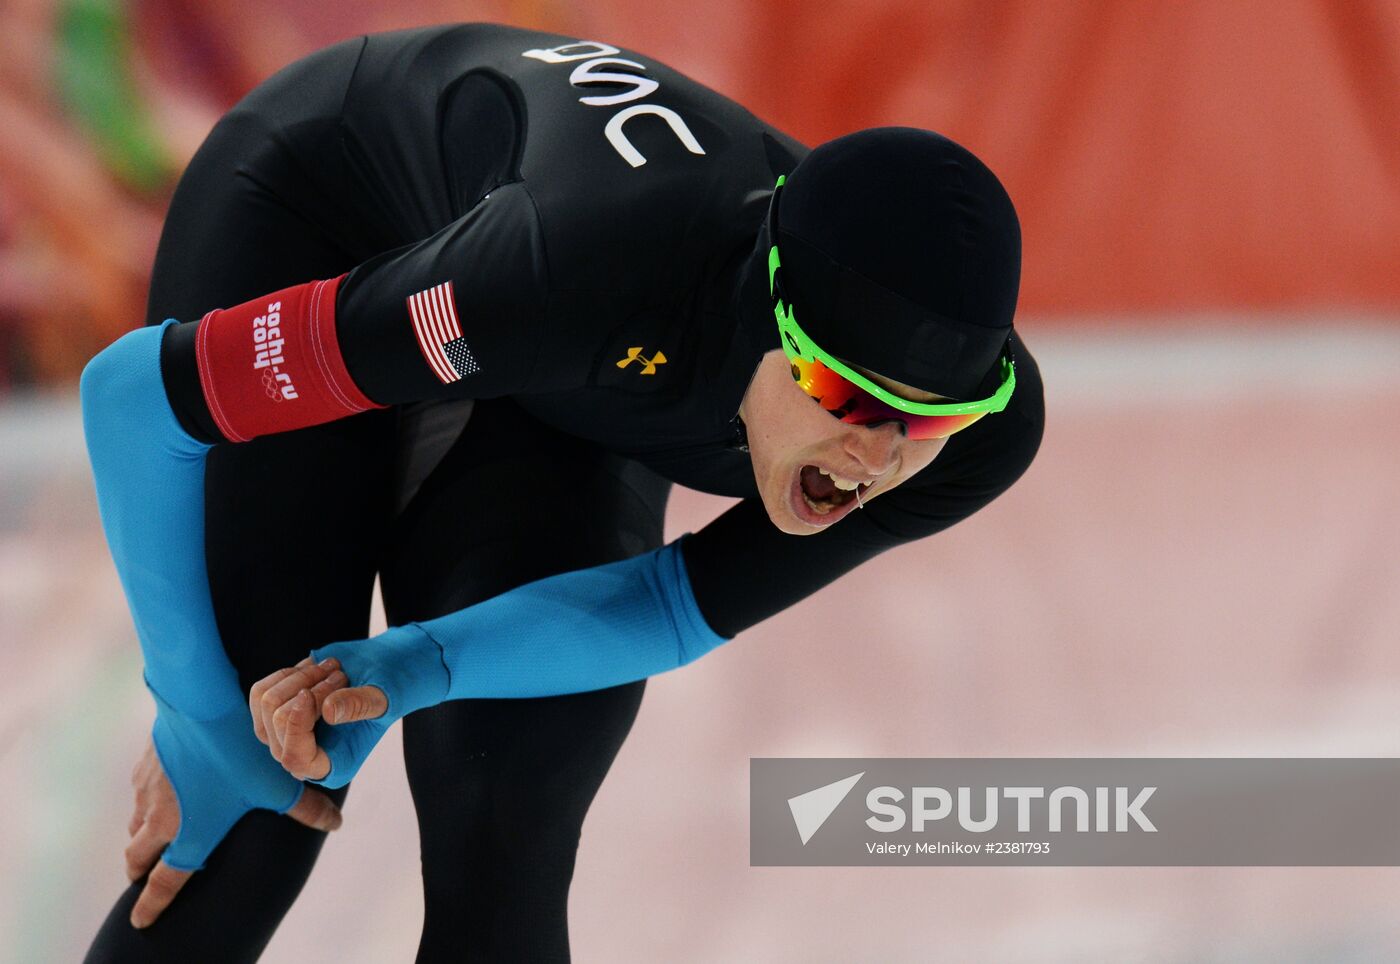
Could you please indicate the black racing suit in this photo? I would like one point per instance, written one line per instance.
(600, 218)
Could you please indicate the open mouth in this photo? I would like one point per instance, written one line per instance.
(824, 494)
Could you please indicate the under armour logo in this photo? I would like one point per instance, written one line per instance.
(648, 364)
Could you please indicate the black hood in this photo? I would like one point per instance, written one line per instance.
(901, 253)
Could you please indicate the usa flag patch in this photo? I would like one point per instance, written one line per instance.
(434, 314)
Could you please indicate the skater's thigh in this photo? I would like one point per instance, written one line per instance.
(501, 786)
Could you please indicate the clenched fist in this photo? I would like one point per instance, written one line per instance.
(286, 705)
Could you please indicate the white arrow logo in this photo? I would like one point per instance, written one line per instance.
(810, 809)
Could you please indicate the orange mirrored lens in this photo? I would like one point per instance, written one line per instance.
(854, 405)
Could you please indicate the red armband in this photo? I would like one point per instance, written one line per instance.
(273, 364)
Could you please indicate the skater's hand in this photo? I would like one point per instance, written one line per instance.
(156, 820)
(153, 825)
(357, 691)
(286, 705)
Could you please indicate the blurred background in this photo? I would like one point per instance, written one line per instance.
(1201, 562)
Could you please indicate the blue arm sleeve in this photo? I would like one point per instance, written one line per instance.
(568, 633)
(149, 475)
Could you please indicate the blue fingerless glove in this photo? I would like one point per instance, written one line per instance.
(219, 771)
(150, 493)
(576, 631)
